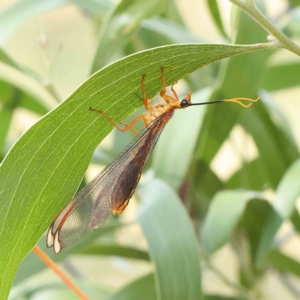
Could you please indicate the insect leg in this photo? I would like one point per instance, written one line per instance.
(174, 92)
(145, 100)
(128, 126)
(132, 129)
(162, 93)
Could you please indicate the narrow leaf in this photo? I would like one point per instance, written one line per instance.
(43, 170)
(120, 25)
(284, 263)
(234, 82)
(224, 213)
(172, 243)
(286, 195)
(142, 288)
(276, 77)
(27, 84)
(114, 250)
(215, 13)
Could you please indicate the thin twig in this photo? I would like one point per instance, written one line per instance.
(51, 264)
(251, 9)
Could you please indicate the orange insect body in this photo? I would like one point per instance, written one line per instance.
(111, 190)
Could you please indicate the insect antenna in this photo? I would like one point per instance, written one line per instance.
(234, 100)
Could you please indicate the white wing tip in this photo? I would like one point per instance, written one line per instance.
(53, 240)
(56, 244)
(50, 239)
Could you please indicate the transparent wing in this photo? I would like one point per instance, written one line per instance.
(108, 192)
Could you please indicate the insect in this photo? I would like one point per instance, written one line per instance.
(111, 190)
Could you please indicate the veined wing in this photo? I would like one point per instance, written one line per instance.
(108, 192)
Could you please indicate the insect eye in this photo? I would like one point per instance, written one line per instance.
(184, 103)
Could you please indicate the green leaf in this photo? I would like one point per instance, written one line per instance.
(204, 186)
(169, 31)
(224, 213)
(252, 175)
(7, 106)
(120, 25)
(288, 191)
(172, 242)
(294, 3)
(253, 220)
(27, 84)
(234, 77)
(177, 143)
(215, 13)
(219, 297)
(114, 250)
(284, 263)
(5, 58)
(43, 170)
(10, 99)
(97, 7)
(295, 219)
(272, 140)
(273, 136)
(5, 119)
(142, 288)
(286, 195)
(276, 77)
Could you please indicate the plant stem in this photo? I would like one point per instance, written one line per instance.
(48, 261)
(250, 8)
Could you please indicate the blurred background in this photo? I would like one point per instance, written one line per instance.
(49, 50)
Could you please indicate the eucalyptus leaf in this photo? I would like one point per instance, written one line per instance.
(204, 186)
(5, 119)
(283, 207)
(172, 242)
(252, 175)
(284, 263)
(215, 13)
(120, 25)
(43, 170)
(114, 250)
(27, 84)
(168, 29)
(276, 77)
(272, 140)
(97, 7)
(239, 77)
(224, 213)
(142, 288)
(253, 221)
(219, 297)
(5, 58)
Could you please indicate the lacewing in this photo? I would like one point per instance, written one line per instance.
(111, 190)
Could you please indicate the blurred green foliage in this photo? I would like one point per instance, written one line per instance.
(187, 210)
